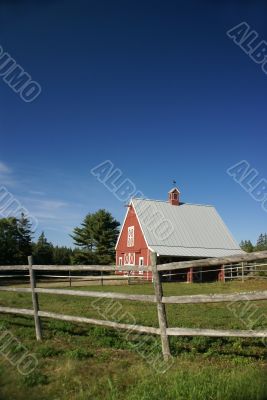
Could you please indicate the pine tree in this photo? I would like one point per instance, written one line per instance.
(261, 242)
(97, 238)
(62, 255)
(24, 239)
(15, 240)
(43, 251)
(105, 233)
(8, 241)
(83, 237)
(83, 257)
(247, 246)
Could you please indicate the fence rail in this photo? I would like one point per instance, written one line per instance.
(107, 268)
(260, 255)
(158, 298)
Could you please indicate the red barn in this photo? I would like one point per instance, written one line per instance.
(175, 231)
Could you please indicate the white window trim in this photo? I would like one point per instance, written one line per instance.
(125, 255)
(130, 237)
(141, 265)
(120, 261)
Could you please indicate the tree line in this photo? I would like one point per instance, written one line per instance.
(94, 242)
(261, 244)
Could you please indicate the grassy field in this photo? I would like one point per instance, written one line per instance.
(84, 362)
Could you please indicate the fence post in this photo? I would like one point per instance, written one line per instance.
(69, 278)
(102, 281)
(242, 271)
(221, 274)
(160, 308)
(189, 276)
(35, 302)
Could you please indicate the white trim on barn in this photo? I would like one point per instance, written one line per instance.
(141, 264)
(129, 259)
(139, 223)
(130, 236)
(122, 226)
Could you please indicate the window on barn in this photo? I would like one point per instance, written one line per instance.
(129, 259)
(130, 239)
(141, 264)
(120, 261)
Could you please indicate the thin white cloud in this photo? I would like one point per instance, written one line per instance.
(37, 193)
(61, 229)
(51, 204)
(51, 211)
(44, 204)
(4, 169)
(6, 176)
(46, 209)
(52, 214)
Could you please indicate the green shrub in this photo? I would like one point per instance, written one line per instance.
(34, 379)
(47, 351)
(78, 354)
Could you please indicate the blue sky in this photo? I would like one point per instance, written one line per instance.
(156, 87)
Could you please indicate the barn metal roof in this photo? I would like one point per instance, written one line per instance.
(187, 230)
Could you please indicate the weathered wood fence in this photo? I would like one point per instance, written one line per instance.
(158, 298)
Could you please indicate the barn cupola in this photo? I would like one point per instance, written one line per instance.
(174, 196)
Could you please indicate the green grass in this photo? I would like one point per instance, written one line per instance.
(83, 362)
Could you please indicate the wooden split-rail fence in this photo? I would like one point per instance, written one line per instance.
(158, 298)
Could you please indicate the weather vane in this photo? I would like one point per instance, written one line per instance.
(174, 182)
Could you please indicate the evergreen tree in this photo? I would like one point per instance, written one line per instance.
(62, 255)
(105, 233)
(261, 242)
(83, 257)
(247, 246)
(43, 251)
(97, 238)
(15, 240)
(8, 241)
(83, 236)
(24, 239)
